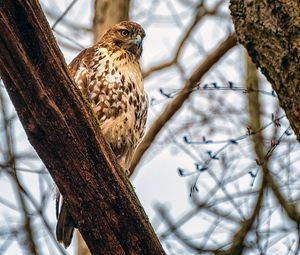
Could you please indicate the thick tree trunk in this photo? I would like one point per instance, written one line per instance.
(67, 137)
(270, 31)
(108, 13)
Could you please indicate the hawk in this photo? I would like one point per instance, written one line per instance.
(109, 76)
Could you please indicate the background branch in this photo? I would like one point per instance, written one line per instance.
(67, 136)
(182, 96)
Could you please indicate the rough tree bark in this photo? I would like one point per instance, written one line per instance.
(67, 137)
(270, 31)
(111, 12)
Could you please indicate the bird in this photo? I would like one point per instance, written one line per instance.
(109, 76)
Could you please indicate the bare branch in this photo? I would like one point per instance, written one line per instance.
(183, 95)
(27, 226)
(201, 12)
(64, 13)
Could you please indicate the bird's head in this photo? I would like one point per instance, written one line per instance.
(127, 35)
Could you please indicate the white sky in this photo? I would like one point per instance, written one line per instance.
(157, 180)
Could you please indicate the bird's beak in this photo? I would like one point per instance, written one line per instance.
(138, 41)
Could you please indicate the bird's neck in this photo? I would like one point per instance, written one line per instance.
(118, 53)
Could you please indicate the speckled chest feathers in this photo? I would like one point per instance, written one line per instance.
(110, 77)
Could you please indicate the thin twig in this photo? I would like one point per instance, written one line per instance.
(178, 101)
(69, 7)
(201, 12)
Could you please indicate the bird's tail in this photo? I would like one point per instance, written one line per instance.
(65, 226)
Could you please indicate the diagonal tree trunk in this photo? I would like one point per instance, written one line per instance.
(67, 137)
(270, 31)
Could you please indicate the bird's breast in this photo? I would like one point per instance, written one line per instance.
(117, 93)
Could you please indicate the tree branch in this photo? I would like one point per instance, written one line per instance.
(67, 136)
(201, 12)
(254, 107)
(183, 95)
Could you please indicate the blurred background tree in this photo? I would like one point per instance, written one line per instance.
(217, 172)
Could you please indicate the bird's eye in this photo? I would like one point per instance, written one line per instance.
(125, 32)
